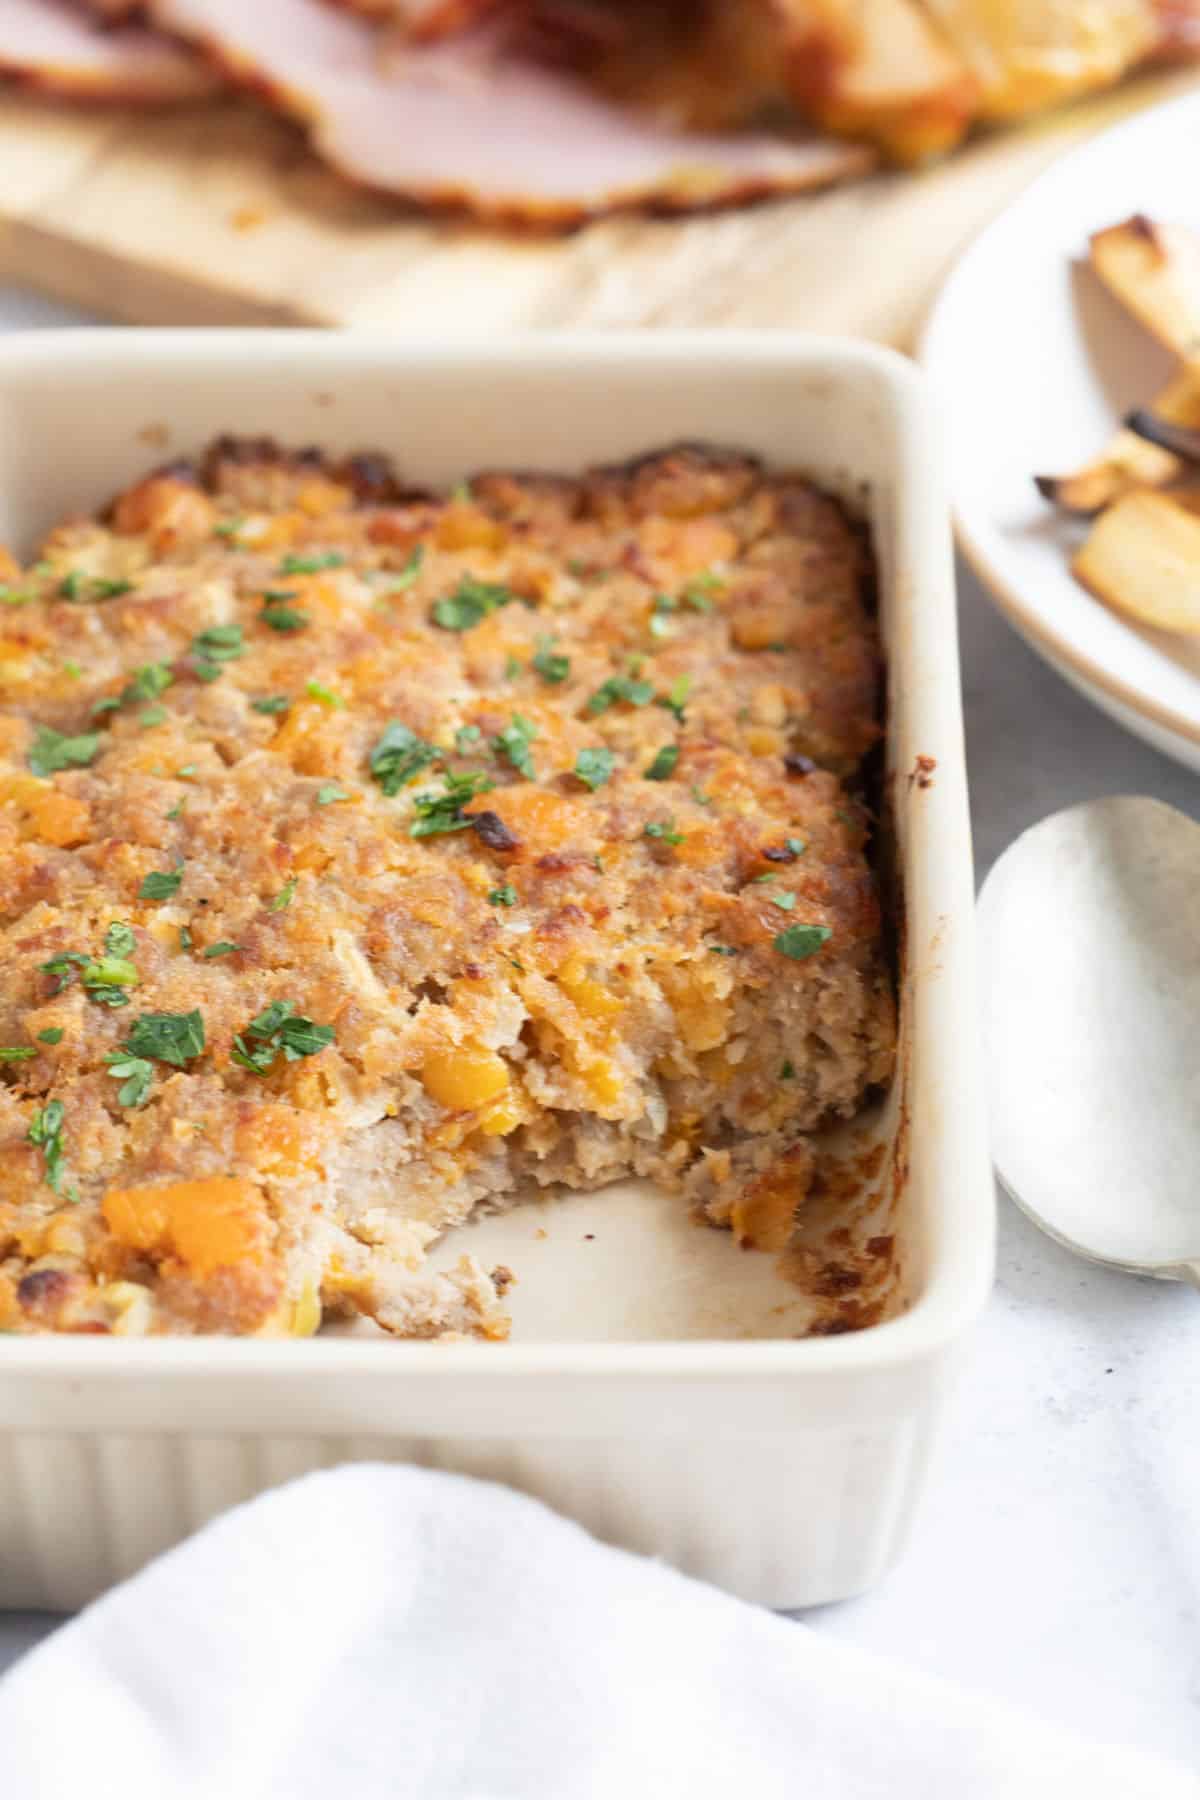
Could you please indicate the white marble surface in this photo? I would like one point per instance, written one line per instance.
(1057, 1562)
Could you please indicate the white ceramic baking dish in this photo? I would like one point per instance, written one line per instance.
(676, 1415)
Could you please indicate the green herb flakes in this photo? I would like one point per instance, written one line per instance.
(78, 586)
(119, 940)
(503, 896)
(312, 565)
(14, 1053)
(797, 846)
(437, 813)
(63, 967)
(284, 897)
(594, 767)
(51, 1035)
(788, 1072)
(400, 755)
(470, 602)
(466, 738)
(618, 689)
(214, 646)
(224, 948)
(722, 950)
(185, 938)
(153, 715)
(106, 978)
(278, 1028)
(46, 1134)
(272, 703)
(665, 832)
(135, 1075)
(284, 618)
(785, 901)
(675, 699)
(167, 1037)
(51, 750)
(12, 596)
(663, 766)
(802, 941)
(160, 884)
(317, 690)
(330, 794)
(513, 743)
(548, 663)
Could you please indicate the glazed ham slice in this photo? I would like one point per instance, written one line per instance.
(50, 44)
(466, 122)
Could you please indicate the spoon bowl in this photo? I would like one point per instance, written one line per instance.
(1090, 943)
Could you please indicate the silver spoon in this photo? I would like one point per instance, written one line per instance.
(1090, 947)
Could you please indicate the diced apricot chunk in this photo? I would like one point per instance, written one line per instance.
(209, 1224)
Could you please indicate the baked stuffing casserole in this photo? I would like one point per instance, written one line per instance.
(371, 857)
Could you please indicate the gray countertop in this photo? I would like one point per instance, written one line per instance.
(1057, 1561)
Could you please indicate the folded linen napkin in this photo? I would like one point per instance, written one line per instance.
(385, 1631)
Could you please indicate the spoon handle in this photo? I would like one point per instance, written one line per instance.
(1190, 1271)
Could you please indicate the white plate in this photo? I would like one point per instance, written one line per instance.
(1034, 364)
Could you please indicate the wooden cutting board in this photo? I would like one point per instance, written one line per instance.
(218, 215)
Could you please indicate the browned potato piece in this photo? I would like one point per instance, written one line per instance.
(1128, 461)
(1143, 559)
(1154, 270)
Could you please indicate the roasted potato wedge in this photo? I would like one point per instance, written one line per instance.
(1143, 559)
(1154, 271)
(1129, 460)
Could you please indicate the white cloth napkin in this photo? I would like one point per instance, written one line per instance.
(384, 1631)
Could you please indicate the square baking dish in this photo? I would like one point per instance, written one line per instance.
(785, 1469)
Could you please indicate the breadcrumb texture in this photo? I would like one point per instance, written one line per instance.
(531, 808)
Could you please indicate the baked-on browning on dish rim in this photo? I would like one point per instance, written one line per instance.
(318, 990)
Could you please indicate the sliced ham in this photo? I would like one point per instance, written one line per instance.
(50, 44)
(463, 123)
(422, 18)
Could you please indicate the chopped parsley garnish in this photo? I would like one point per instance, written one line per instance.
(46, 1134)
(16, 1052)
(185, 938)
(176, 811)
(405, 577)
(214, 646)
(676, 697)
(666, 832)
(330, 793)
(51, 1035)
(63, 966)
(512, 668)
(119, 940)
(51, 750)
(400, 755)
(187, 771)
(325, 695)
(548, 663)
(228, 528)
(797, 846)
(284, 618)
(503, 896)
(620, 688)
(700, 797)
(285, 896)
(271, 703)
(148, 682)
(513, 743)
(106, 979)
(278, 1028)
(466, 737)
(470, 602)
(167, 1037)
(11, 596)
(280, 596)
(311, 565)
(153, 715)
(71, 668)
(722, 949)
(442, 812)
(786, 901)
(160, 884)
(78, 586)
(224, 948)
(135, 1075)
(802, 941)
(663, 766)
(788, 1072)
(594, 767)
